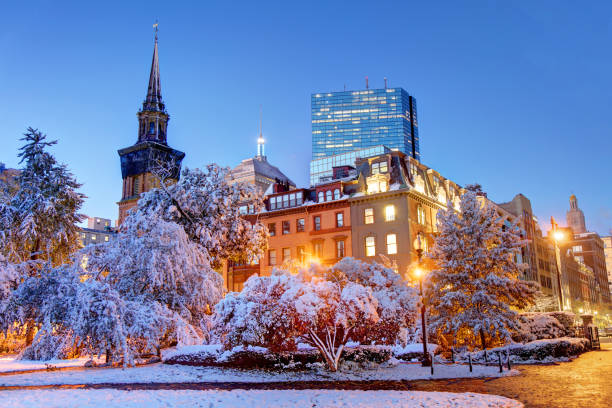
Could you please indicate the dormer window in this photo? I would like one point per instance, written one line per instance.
(328, 195)
(321, 197)
(337, 194)
(379, 168)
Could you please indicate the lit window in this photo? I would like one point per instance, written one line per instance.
(328, 195)
(421, 215)
(391, 244)
(272, 257)
(339, 249)
(337, 194)
(272, 229)
(299, 225)
(370, 246)
(106, 238)
(286, 254)
(369, 215)
(317, 223)
(321, 197)
(339, 220)
(93, 237)
(577, 248)
(380, 167)
(390, 213)
(317, 249)
(97, 220)
(286, 227)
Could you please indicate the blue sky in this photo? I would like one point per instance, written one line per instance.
(514, 95)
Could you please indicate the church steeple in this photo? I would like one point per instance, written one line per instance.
(153, 118)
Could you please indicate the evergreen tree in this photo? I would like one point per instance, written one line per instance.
(476, 284)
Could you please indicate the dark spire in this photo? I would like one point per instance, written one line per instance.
(154, 100)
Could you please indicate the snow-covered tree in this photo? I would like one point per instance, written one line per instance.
(472, 291)
(397, 301)
(38, 221)
(325, 307)
(208, 209)
(38, 218)
(153, 261)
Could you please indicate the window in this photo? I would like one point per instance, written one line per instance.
(368, 214)
(151, 127)
(106, 238)
(136, 186)
(317, 223)
(292, 199)
(317, 249)
(370, 246)
(272, 229)
(577, 248)
(339, 220)
(286, 200)
(93, 237)
(286, 254)
(380, 167)
(299, 225)
(421, 215)
(390, 213)
(391, 244)
(273, 203)
(243, 209)
(251, 209)
(286, 227)
(299, 198)
(328, 195)
(339, 249)
(337, 194)
(272, 257)
(321, 197)
(301, 254)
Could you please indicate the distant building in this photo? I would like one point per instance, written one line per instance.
(608, 254)
(151, 149)
(322, 170)
(575, 217)
(346, 121)
(98, 230)
(8, 176)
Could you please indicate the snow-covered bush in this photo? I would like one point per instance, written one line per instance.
(536, 326)
(397, 301)
(324, 307)
(476, 283)
(567, 320)
(546, 350)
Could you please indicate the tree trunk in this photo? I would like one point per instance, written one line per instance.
(483, 339)
(30, 332)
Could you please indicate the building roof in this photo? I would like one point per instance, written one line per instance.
(259, 166)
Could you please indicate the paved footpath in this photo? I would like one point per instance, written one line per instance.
(584, 382)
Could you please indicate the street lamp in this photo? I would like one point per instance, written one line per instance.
(420, 273)
(558, 236)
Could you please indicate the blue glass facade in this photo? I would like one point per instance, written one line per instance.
(351, 120)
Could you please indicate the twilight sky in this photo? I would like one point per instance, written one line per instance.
(514, 95)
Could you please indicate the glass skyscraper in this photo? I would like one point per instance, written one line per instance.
(346, 121)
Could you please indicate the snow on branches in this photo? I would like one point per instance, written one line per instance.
(208, 208)
(323, 307)
(475, 284)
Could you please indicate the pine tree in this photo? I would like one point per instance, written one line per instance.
(472, 291)
(38, 219)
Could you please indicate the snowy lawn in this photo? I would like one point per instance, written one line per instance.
(8, 364)
(163, 373)
(243, 399)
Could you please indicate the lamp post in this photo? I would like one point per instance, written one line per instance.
(557, 236)
(419, 273)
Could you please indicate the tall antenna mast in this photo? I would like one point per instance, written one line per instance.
(260, 139)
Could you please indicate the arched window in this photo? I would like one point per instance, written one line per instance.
(328, 195)
(321, 197)
(151, 128)
(337, 194)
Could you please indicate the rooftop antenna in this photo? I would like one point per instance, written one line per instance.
(385, 82)
(367, 85)
(156, 28)
(260, 139)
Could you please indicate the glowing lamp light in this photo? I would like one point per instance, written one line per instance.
(558, 235)
(581, 310)
(418, 272)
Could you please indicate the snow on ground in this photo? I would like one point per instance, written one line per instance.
(414, 348)
(243, 399)
(8, 364)
(163, 373)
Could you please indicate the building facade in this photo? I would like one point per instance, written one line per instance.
(151, 153)
(352, 120)
(608, 254)
(98, 230)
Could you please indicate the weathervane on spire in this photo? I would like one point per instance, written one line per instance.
(155, 27)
